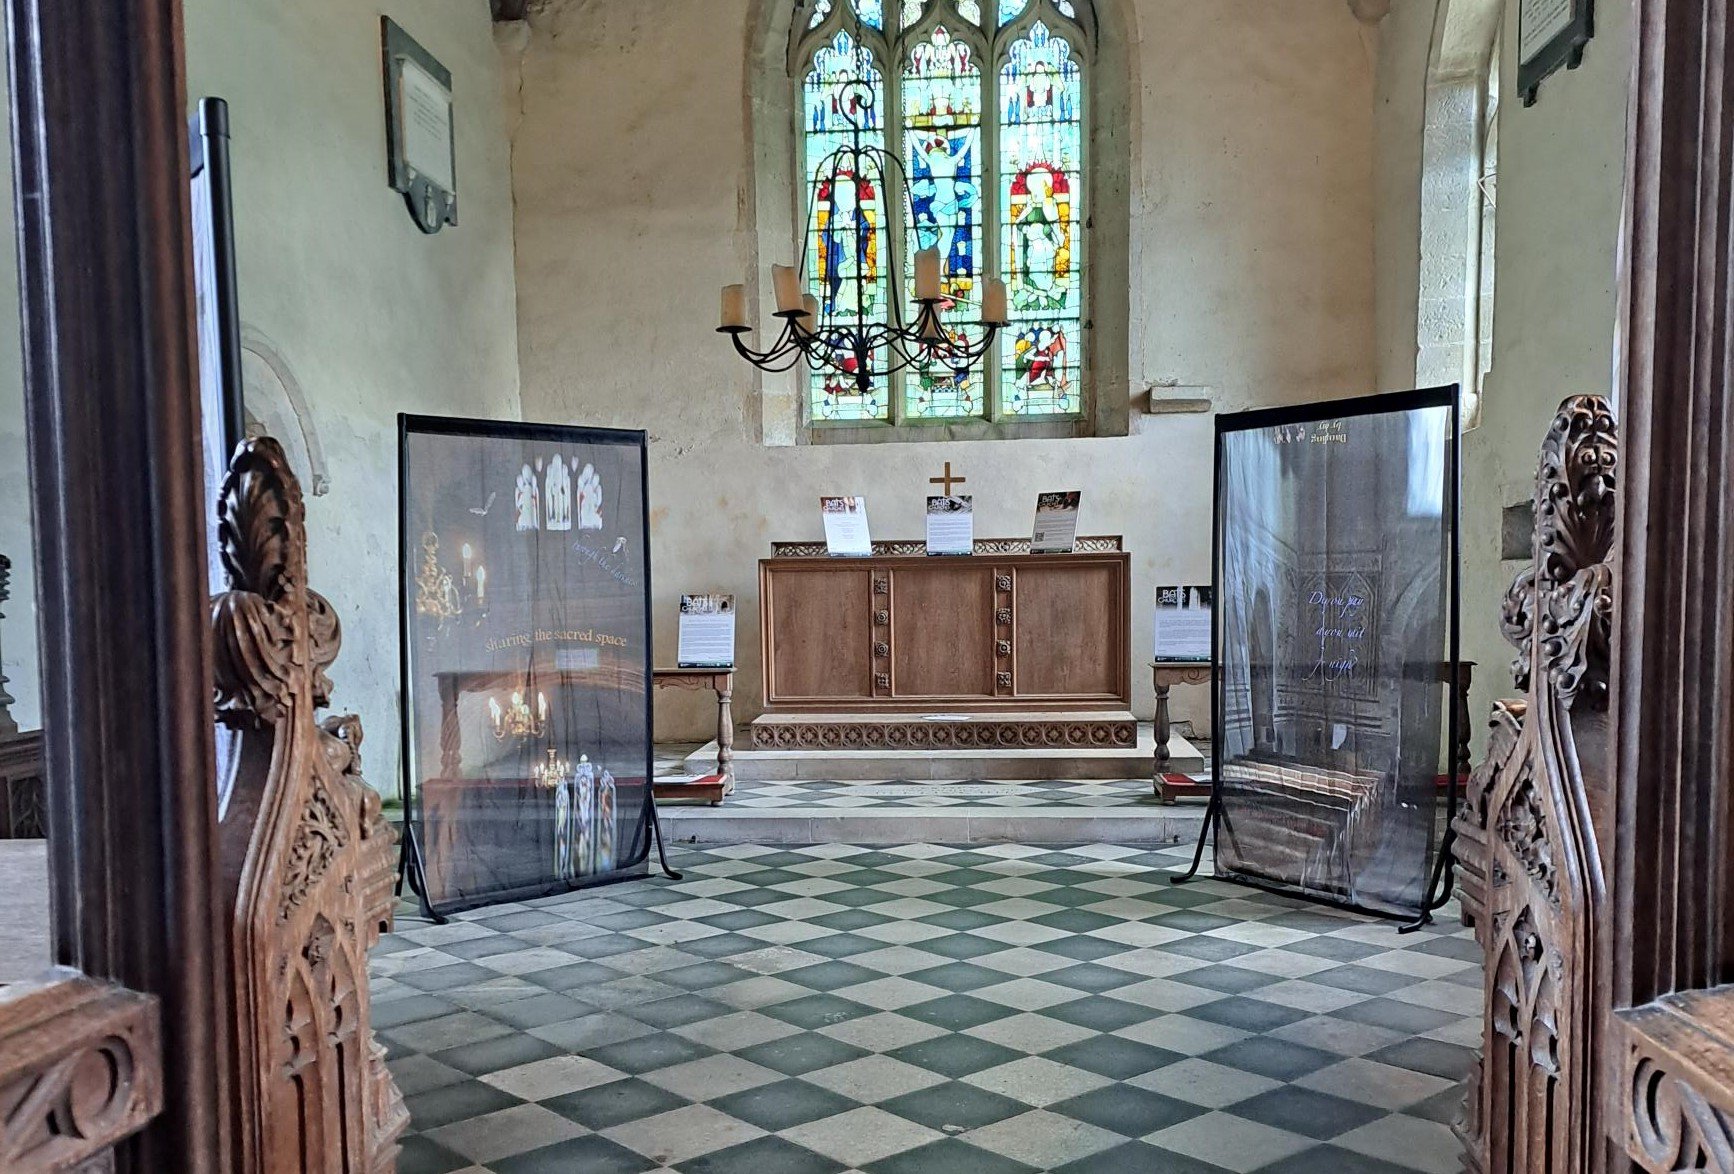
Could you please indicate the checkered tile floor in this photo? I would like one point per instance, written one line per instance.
(926, 1009)
(879, 796)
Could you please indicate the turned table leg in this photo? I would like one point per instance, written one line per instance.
(1164, 730)
(725, 737)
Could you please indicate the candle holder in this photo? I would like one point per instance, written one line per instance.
(516, 719)
(856, 348)
(552, 770)
(444, 597)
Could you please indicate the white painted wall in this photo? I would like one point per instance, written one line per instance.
(1561, 176)
(373, 316)
(1251, 258)
(1561, 179)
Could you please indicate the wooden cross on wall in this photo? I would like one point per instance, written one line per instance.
(948, 480)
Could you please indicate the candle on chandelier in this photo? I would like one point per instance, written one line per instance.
(481, 583)
(927, 275)
(734, 307)
(542, 706)
(993, 306)
(787, 281)
(811, 305)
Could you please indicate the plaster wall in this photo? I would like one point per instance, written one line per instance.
(1561, 181)
(1250, 250)
(1561, 175)
(372, 316)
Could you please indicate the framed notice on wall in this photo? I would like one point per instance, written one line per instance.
(525, 582)
(1550, 34)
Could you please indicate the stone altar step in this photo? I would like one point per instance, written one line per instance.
(1124, 812)
(1136, 761)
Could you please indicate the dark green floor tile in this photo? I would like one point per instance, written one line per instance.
(1089, 976)
(591, 1155)
(1396, 1016)
(783, 1105)
(1128, 1111)
(648, 1053)
(954, 1107)
(958, 1012)
(421, 1156)
(456, 1102)
(959, 976)
(608, 1105)
(1101, 1014)
(1308, 1113)
(1247, 1014)
(678, 1011)
(955, 1055)
(1113, 1057)
(815, 1011)
(1434, 1057)
(508, 1051)
(1328, 1159)
(1275, 1058)
(797, 1055)
(949, 1156)
(767, 1155)
(1135, 1157)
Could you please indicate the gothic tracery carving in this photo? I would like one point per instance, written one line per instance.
(312, 850)
(1526, 849)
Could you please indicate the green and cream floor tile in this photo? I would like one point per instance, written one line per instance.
(927, 1010)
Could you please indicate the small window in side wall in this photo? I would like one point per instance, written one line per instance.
(984, 107)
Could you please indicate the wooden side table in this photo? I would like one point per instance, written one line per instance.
(722, 681)
(1165, 674)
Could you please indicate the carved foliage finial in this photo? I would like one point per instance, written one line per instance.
(257, 624)
(1559, 612)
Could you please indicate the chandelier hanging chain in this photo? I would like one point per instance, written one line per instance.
(827, 341)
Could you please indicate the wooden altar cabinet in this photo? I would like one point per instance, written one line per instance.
(906, 651)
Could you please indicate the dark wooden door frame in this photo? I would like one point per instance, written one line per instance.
(100, 150)
(1669, 1061)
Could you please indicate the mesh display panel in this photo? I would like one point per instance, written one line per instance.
(526, 657)
(1336, 640)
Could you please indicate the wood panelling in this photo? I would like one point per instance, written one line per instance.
(981, 634)
(1080, 603)
(935, 657)
(1669, 1082)
(825, 621)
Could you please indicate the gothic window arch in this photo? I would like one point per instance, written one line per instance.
(985, 105)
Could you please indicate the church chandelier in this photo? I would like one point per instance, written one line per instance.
(840, 335)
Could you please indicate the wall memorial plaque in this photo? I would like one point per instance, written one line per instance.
(1550, 34)
(420, 138)
(1336, 608)
(525, 583)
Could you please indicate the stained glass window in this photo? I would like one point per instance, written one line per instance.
(985, 130)
(942, 159)
(1041, 180)
(845, 91)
